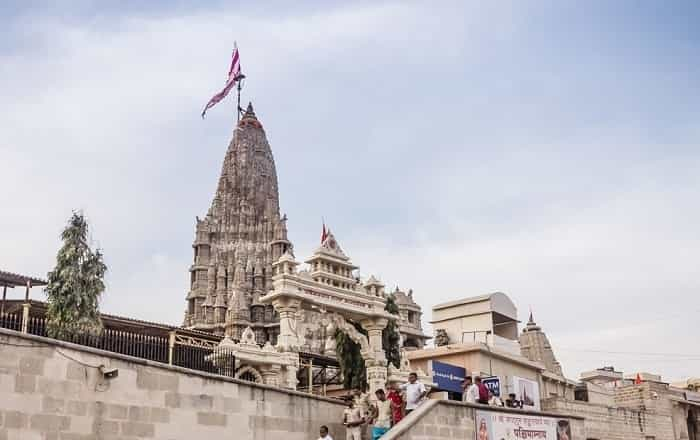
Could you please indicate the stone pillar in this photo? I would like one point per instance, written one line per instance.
(374, 327)
(25, 316)
(271, 374)
(287, 309)
(288, 378)
(376, 378)
(376, 366)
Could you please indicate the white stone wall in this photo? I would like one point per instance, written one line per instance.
(52, 391)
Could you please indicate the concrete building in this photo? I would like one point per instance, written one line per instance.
(480, 334)
(490, 319)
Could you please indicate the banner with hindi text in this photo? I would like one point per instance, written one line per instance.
(492, 425)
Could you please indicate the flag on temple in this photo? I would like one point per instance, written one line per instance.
(234, 75)
(638, 379)
(324, 233)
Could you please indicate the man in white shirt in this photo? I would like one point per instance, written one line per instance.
(353, 419)
(381, 415)
(324, 433)
(471, 391)
(415, 392)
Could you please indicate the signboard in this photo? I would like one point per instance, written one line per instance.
(528, 392)
(448, 377)
(493, 383)
(492, 425)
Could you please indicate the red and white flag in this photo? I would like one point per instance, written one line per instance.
(324, 233)
(234, 75)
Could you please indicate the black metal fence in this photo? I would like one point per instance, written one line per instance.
(203, 357)
(12, 321)
(212, 360)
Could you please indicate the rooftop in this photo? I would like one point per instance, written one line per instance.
(499, 303)
(10, 279)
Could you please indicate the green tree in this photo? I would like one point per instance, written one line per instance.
(76, 284)
(349, 355)
(391, 339)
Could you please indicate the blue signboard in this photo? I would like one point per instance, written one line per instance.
(448, 377)
(493, 383)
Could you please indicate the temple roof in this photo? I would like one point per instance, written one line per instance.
(404, 299)
(531, 325)
(330, 248)
(373, 281)
(247, 192)
(10, 279)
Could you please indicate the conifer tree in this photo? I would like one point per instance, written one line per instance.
(391, 339)
(76, 284)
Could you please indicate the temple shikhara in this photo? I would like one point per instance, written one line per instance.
(246, 284)
(238, 240)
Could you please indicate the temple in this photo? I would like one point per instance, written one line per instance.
(535, 346)
(242, 243)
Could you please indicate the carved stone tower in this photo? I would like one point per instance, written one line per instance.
(238, 240)
(535, 346)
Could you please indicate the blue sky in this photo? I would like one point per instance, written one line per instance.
(545, 149)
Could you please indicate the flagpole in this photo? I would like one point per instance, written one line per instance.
(238, 108)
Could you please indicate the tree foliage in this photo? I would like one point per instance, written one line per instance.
(391, 339)
(76, 283)
(352, 366)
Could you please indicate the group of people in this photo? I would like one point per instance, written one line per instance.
(477, 392)
(378, 416)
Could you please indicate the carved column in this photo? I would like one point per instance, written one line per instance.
(374, 327)
(287, 309)
(376, 368)
(271, 374)
(376, 377)
(288, 378)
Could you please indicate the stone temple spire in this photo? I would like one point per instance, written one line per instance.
(535, 346)
(238, 240)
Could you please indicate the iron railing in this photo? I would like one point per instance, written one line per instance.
(174, 349)
(12, 321)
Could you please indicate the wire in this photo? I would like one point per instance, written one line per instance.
(77, 361)
(634, 353)
(11, 344)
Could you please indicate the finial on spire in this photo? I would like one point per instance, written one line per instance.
(531, 320)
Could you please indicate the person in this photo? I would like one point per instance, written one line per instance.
(494, 400)
(512, 402)
(482, 390)
(381, 415)
(415, 392)
(353, 420)
(397, 403)
(471, 391)
(324, 433)
(362, 401)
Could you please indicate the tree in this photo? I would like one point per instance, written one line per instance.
(76, 284)
(352, 365)
(391, 339)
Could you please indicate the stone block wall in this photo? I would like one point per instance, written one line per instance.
(51, 390)
(601, 421)
(645, 411)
